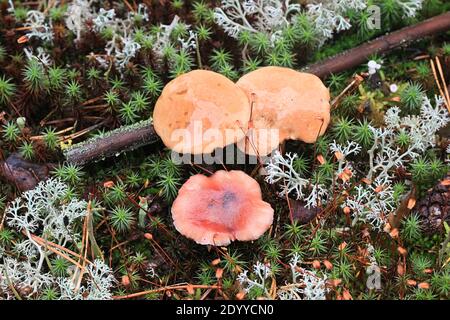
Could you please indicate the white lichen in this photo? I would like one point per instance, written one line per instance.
(329, 16)
(39, 27)
(268, 16)
(78, 12)
(305, 284)
(370, 202)
(44, 213)
(259, 278)
(281, 170)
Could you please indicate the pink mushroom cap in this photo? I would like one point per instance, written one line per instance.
(222, 208)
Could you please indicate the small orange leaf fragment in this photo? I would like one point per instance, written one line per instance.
(321, 159)
(402, 251)
(108, 184)
(316, 264)
(400, 269)
(22, 39)
(219, 273)
(344, 176)
(328, 264)
(215, 262)
(240, 295)
(411, 282)
(335, 282)
(411, 203)
(346, 295)
(190, 289)
(423, 285)
(148, 236)
(125, 281)
(339, 155)
(394, 233)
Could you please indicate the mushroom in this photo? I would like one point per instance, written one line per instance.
(286, 104)
(200, 111)
(222, 208)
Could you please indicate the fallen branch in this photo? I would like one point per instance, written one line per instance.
(356, 56)
(112, 143)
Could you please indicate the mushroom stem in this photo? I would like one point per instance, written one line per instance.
(354, 57)
(112, 143)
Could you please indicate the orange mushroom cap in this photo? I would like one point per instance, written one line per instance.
(287, 104)
(219, 209)
(200, 111)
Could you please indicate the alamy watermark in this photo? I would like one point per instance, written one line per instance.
(198, 146)
(374, 277)
(374, 19)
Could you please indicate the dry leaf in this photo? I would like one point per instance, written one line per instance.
(219, 273)
(125, 281)
(423, 285)
(321, 159)
(342, 246)
(108, 184)
(148, 236)
(316, 264)
(365, 233)
(190, 289)
(240, 295)
(22, 39)
(411, 203)
(339, 155)
(411, 282)
(346, 295)
(394, 233)
(328, 264)
(215, 262)
(402, 251)
(400, 269)
(335, 282)
(344, 177)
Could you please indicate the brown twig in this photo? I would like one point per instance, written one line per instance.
(394, 40)
(117, 141)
